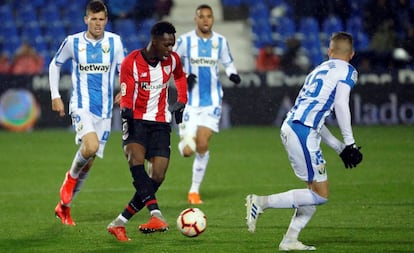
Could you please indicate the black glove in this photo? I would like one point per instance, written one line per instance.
(235, 78)
(191, 80)
(178, 109)
(351, 156)
(127, 117)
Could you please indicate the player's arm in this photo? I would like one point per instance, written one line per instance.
(343, 113)
(180, 80)
(228, 63)
(181, 85)
(127, 86)
(55, 65)
(119, 57)
(331, 140)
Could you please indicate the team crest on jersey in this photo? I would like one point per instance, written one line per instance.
(167, 69)
(215, 45)
(105, 49)
(123, 89)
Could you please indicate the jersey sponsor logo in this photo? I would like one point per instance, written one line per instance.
(203, 61)
(94, 68)
(147, 86)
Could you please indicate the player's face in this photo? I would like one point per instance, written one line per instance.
(204, 19)
(164, 46)
(96, 24)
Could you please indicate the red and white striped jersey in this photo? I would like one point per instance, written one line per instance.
(144, 88)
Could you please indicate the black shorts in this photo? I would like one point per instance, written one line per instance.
(154, 136)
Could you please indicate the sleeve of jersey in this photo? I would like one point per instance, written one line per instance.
(120, 54)
(343, 113)
(227, 60)
(127, 83)
(180, 81)
(61, 56)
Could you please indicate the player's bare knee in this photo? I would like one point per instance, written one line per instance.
(91, 148)
(187, 151)
(187, 146)
(319, 200)
(202, 147)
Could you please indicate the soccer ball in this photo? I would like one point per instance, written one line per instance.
(192, 222)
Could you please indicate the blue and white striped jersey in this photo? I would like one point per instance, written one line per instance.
(94, 65)
(317, 96)
(201, 57)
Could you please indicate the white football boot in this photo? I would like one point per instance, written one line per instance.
(253, 210)
(288, 244)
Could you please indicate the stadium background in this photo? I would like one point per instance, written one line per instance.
(384, 95)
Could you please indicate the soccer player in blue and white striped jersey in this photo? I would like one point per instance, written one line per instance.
(96, 56)
(327, 88)
(201, 51)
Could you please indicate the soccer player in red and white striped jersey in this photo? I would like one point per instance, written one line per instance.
(146, 130)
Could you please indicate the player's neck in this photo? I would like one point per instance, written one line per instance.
(150, 58)
(202, 35)
(93, 37)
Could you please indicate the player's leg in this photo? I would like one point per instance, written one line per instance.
(87, 150)
(303, 147)
(208, 123)
(87, 138)
(158, 154)
(187, 131)
(102, 128)
(117, 226)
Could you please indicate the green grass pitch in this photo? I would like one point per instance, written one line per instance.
(370, 208)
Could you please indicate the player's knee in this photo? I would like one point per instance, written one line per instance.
(319, 200)
(187, 146)
(202, 147)
(91, 148)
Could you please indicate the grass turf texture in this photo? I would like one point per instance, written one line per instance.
(370, 208)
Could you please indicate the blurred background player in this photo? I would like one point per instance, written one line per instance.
(146, 129)
(325, 89)
(201, 50)
(96, 56)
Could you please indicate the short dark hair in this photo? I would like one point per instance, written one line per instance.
(342, 36)
(204, 6)
(96, 6)
(162, 27)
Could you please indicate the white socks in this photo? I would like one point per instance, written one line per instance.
(119, 221)
(199, 169)
(293, 199)
(77, 165)
(300, 218)
(303, 200)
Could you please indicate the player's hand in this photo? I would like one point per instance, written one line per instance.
(235, 78)
(178, 110)
(117, 98)
(351, 156)
(57, 106)
(191, 81)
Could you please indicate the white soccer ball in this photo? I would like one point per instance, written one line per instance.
(192, 222)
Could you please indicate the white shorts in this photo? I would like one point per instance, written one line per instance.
(302, 144)
(85, 122)
(206, 116)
